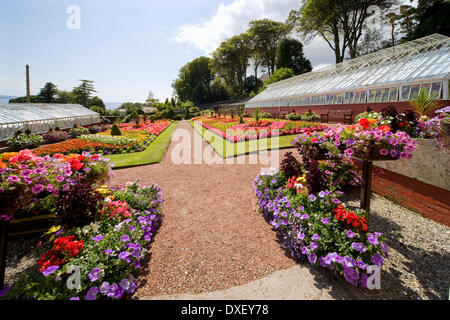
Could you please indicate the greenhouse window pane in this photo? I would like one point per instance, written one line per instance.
(385, 95)
(436, 89)
(378, 95)
(405, 92)
(393, 94)
(414, 91)
(372, 94)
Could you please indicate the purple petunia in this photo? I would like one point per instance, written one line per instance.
(325, 220)
(350, 234)
(123, 255)
(312, 258)
(359, 246)
(98, 238)
(91, 294)
(312, 197)
(125, 238)
(50, 270)
(74, 298)
(37, 189)
(377, 260)
(108, 251)
(301, 236)
(95, 274)
(337, 201)
(315, 237)
(373, 239)
(104, 288)
(313, 246)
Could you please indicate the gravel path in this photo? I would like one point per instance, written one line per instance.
(212, 236)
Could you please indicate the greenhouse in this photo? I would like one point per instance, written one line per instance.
(40, 117)
(390, 76)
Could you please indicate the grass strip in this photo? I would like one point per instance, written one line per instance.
(228, 149)
(152, 154)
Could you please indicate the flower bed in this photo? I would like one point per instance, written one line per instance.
(31, 185)
(103, 254)
(132, 140)
(154, 128)
(317, 228)
(233, 131)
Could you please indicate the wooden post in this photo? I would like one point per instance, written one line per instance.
(366, 189)
(4, 229)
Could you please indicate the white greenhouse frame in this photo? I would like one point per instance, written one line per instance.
(423, 62)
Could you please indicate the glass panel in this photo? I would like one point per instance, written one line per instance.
(363, 96)
(393, 94)
(378, 96)
(339, 98)
(322, 100)
(435, 89)
(414, 91)
(426, 86)
(385, 94)
(372, 94)
(405, 92)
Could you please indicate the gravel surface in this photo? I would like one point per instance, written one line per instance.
(419, 258)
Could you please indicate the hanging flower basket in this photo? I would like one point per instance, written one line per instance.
(374, 155)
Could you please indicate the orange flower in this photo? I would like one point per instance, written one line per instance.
(371, 121)
(8, 155)
(2, 164)
(385, 128)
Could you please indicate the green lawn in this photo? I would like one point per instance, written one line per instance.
(227, 149)
(152, 154)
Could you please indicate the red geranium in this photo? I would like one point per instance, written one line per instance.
(350, 218)
(385, 128)
(364, 123)
(63, 249)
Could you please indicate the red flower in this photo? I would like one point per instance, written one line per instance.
(385, 128)
(364, 123)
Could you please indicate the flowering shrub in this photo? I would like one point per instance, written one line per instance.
(63, 249)
(317, 228)
(107, 252)
(24, 140)
(363, 140)
(28, 181)
(78, 131)
(55, 136)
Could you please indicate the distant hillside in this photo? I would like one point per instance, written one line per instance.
(7, 97)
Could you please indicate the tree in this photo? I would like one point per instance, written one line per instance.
(48, 92)
(97, 102)
(231, 59)
(219, 90)
(197, 75)
(432, 17)
(278, 75)
(84, 92)
(252, 84)
(371, 42)
(65, 97)
(290, 55)
(339, 23)
(266, 35)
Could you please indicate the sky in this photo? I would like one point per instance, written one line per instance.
(127, 48)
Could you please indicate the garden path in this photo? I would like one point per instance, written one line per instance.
(212, 236)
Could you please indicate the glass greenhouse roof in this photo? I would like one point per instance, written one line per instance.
(422, 60)
(40, 117)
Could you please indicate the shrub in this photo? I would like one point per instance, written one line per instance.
(24, 140)
(290, 166)
(115, 131)
(424, 102)
(310, 116)
(55, 136)
(78, 131)
(265, 115)
(293, 116)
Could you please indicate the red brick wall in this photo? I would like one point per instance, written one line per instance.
(401, 106)
(430, 201)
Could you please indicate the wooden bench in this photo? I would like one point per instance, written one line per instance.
(337, 116)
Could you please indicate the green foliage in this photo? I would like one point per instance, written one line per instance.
(293, 116)
(24, 140)
(78, 131)
(256, 114)
(241, 119)
(115, 131)
(83, 92)
(424, 102)
(194, 81)
(310, 116)
(280, 74)
(265, 115)
(65, 97)
(48, 92)
(290, 55)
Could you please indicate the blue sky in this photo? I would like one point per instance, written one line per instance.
(127, 47)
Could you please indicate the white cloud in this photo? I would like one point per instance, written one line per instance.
(232, 19)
